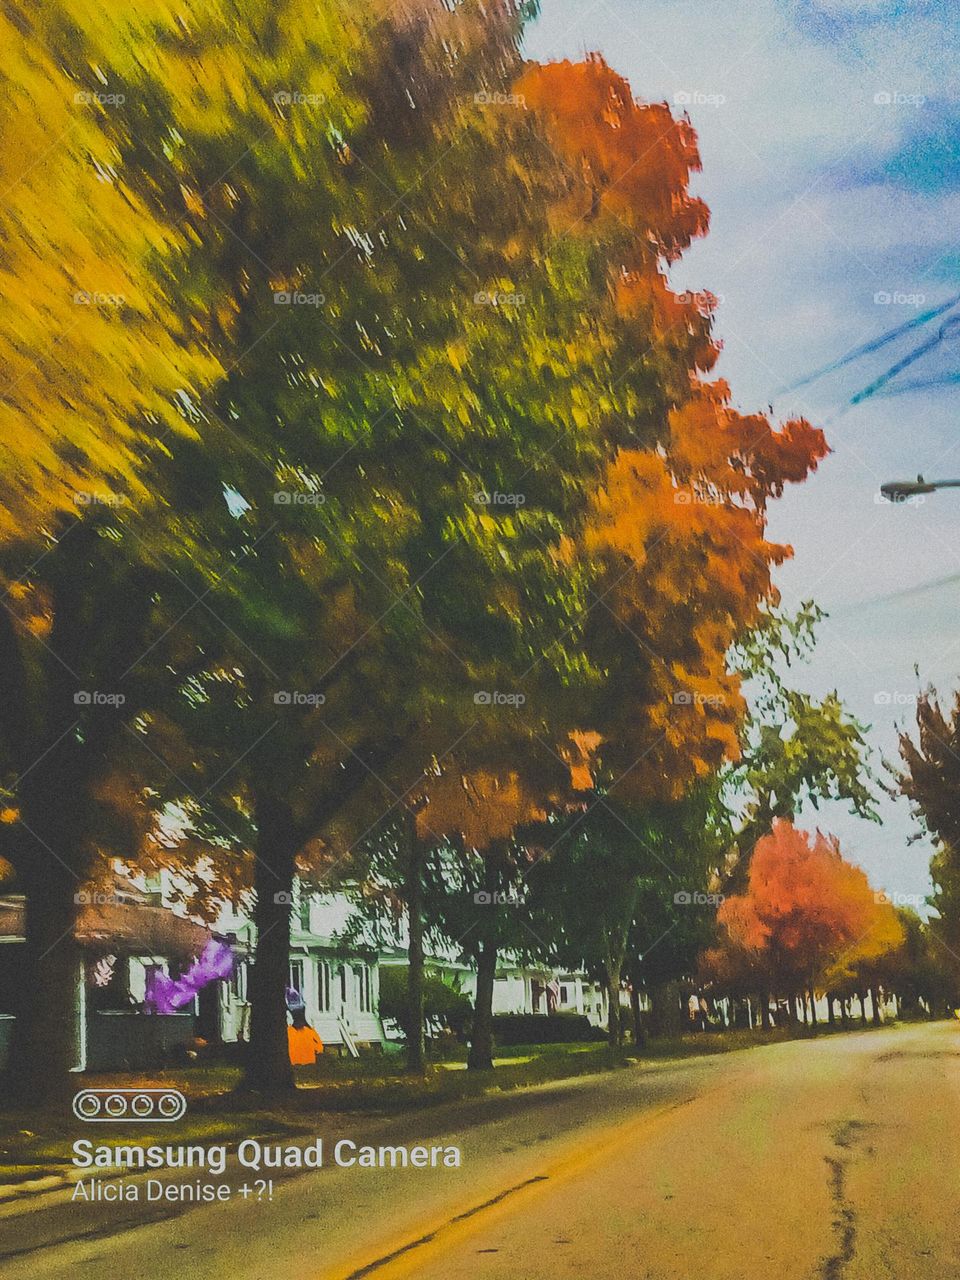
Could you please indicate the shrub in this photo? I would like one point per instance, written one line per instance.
(540, 1028)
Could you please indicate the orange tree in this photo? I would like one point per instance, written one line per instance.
(808, 918)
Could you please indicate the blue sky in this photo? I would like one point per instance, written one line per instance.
(830, 137)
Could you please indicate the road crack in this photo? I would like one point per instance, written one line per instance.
(845, 1137)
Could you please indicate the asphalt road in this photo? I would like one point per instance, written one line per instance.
(835, 1159)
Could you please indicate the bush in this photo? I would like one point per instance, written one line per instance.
(443, 1004)
(544, 1028)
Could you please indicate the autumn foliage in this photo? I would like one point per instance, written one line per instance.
(807, 920)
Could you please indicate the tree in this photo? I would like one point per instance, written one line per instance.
(795, 749)
(99, 354)
(808, 918)
(930, 780)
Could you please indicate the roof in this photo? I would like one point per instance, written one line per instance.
(126, 928)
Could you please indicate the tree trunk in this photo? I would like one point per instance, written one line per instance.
(813, 1008)
(665, 1009)
(267, 1068)
(480, 1057)
(416, 1059)
(611, 971)
(863, 1008)
(52, 862)
(639, 1033)
(831, 1016)
(45, 1046)
(875, 1001)
(764, 998)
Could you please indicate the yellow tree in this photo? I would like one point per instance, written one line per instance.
(97, 360)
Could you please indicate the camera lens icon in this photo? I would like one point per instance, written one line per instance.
(106, 1106)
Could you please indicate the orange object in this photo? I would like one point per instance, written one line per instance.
(304, 1044)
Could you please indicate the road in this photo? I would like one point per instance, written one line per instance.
(834, 1159)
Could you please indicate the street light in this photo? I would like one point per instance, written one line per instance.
(901, 490)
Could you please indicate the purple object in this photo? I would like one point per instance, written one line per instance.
(167, 995)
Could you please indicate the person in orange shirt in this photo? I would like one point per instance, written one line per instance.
(303, 1042)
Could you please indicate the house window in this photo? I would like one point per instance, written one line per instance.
(323, 986)
(563, 995)
(238, 983)
(363, 987)
(296, 976)
(343, 986)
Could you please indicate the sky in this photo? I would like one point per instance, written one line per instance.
(830, 138)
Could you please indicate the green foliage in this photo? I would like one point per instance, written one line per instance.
(796, 749)
(443, 1003)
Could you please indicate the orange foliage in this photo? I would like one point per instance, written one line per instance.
(634, 159)
(807, 918)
